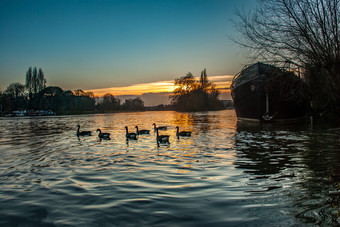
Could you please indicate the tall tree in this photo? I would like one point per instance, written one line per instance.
(302, 32)
(35, 81)
(29, 79)
(185, 84)
(195, 95)
(204, 82)
(42, 81)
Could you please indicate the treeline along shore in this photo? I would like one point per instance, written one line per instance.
(33, 97)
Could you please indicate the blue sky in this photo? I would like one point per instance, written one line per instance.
(99, 44)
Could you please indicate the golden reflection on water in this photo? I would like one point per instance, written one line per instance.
(211, 131)
(183, 120)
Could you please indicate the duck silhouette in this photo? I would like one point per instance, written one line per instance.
(103, 135)
(130, 135)
(142, 132)
(182, 133)
(162, 138)
(82, 133)
(160, 127)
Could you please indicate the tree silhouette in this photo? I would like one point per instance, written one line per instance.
(35, 82)
(108, 103)
(195, 95)
(15, 90)
(305, 33)
(133, 104)
(204, 82)
(14, 97)
(184, 85)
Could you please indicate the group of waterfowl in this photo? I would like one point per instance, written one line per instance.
(134, 135)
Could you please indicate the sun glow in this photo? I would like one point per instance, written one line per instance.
(136, 89)
(223, 82)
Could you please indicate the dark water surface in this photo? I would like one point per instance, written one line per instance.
(226, 174)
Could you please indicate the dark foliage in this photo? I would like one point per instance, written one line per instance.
(14, 97)
(305, 33)
(133, 104)
(109, 103)
(61, 102)
(35, 82)
(36, 96)
(195, 95)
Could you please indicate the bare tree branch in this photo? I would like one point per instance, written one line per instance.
(301, 32)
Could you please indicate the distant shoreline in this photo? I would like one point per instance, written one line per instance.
(70, 113)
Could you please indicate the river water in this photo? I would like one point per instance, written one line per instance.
(225, 174)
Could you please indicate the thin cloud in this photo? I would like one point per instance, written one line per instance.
(222, 81)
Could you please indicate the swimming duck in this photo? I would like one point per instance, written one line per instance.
(103, 135)
(83, 133)
(182, 133)
(142, 132)
(159, 128)
(162, 138)
(130, 135)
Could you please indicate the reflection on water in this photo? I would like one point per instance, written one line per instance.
(226, 174)
(298, 160)
(267, 149)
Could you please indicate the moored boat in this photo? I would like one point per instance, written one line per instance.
(262, 92)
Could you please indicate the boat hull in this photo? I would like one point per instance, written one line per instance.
(265, 93)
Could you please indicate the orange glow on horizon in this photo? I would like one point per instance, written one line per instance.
(136, 89)
(222, 82)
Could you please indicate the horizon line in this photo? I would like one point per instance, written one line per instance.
(221, 81)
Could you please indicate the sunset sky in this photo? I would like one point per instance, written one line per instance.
(126, 47)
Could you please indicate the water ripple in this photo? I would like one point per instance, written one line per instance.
(226, 174)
